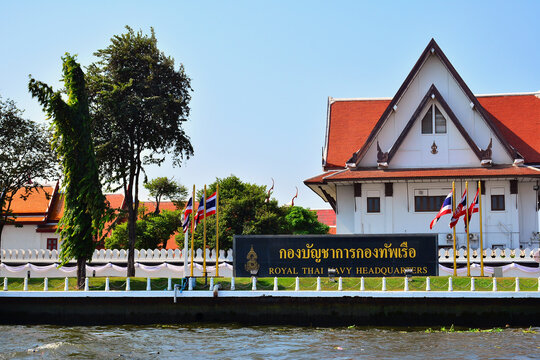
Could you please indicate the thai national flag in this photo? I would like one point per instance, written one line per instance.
(446, 208)
(460, 210)
(187, 212)
(473, 207)
(200, 212)
(211, 205)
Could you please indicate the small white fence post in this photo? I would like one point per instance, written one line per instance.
(494, 284)
(340, 284)
(253, 283)
(362, 284)
(383, 284)
(233, 285)
(86, 285)
(428, 284)
(66, 284)
(275, 284)
(517, 284)
(128, 284)
(107, 284)
(473, 287)
(318, 284)
(148, 284)
(450, 285)
(211, 284)
(406, 286)
(169, 284)
(6, 284)
(25, 286)
(190, 284)
(297, 284)
(46, 284)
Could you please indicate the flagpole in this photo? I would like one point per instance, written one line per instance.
(481, 235)
(204, 234)
(192, 229)
(186, 250)
(454, 228)
(217, 230)
(467, 223)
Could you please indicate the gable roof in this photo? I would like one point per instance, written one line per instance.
(359, 129)
(432, 93)
(517, 117)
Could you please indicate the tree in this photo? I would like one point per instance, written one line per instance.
(152, 231)
(164, 187)
(303, 221)
(139, 102)
(85, 208)
(25, 155)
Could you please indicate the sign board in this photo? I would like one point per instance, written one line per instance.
(350, 255)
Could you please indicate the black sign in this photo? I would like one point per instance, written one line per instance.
(349, 255)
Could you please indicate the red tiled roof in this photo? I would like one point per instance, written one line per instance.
(37, 201)
(327, 216)
(150, 206)
(495, 171)
(351, 121)
(115, 200)
(518, 119)
(350, 124)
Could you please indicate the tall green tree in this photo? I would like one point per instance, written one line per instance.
(302, 221)
(139, 101)
(85, 208)
(25, 155)
(163, 187)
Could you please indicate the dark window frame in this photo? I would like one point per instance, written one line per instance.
(430, 127)
(498, 203)
(428, 203)
(52, 244)
(373, 204)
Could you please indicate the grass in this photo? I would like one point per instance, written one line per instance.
(439, 283)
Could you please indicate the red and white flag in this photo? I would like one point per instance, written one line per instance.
(446, 208)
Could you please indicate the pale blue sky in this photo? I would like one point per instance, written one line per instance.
(262, 70)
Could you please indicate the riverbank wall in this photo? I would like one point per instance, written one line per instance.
(306, 308)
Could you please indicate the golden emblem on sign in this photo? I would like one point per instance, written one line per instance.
(252, 266)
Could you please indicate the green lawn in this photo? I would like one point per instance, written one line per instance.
(439, 283)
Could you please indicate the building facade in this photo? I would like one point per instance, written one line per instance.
(389, 163)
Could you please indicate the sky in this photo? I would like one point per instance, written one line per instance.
(262, 71)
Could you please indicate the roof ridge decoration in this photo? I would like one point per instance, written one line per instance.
(431, 48)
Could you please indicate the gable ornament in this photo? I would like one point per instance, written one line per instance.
(434, 148)
(486, 155)
(382, 157)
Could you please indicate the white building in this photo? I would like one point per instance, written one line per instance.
(389, 163)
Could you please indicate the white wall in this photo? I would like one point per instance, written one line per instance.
(24, 237)
(509, 228)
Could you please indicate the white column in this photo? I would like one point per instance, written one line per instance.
(66, 284)
(318, 284)
(233, 286)
(276, 288)
(148, 284)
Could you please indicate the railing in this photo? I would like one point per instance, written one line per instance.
(114, 256)
(37, 256)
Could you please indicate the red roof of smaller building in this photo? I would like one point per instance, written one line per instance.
(327, 216)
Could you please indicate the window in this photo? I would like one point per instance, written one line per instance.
(373, 204)
(428, 203)
(497, 202)
(433, 119)
(52, 244)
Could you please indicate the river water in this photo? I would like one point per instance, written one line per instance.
(263, 342)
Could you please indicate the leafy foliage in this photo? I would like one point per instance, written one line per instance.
(85, 207)
(152, 231)
(168, 188)
(139, 102)
(26, 154)
(304, 221)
